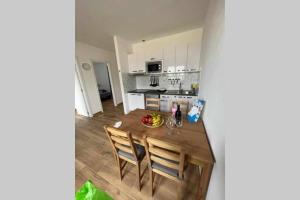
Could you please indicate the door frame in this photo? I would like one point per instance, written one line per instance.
(110, 79)
(111, 83)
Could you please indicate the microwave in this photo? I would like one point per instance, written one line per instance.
(154, 66)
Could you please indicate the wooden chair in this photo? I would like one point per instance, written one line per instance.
(124, 149)
(152, 103)
(164, 159)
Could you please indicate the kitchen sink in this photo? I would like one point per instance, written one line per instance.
(179, 92)
(172, 92)
(187, 92)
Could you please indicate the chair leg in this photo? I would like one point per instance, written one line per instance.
(151, 175)
(139, 176)
(120, 167)
(180, 190)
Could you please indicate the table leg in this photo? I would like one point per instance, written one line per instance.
(204, 181)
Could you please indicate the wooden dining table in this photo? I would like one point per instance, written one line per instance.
(191, 137)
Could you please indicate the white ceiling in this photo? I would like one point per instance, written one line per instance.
(98, 20)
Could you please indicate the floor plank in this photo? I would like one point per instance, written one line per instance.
(94, 161)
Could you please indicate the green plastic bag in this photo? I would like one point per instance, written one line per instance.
(88, 191)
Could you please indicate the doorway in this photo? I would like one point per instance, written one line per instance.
(104, 85)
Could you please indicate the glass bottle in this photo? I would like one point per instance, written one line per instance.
(178, 116)
(174, 109)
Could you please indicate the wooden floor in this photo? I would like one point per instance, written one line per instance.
(94, 161)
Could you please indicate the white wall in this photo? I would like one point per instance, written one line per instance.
(122, 48)
(143, 82)
(211, 90)
(79, 99)
(86, 52)
(102, 77)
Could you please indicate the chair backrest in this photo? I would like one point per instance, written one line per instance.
(184, 106)
(166, 154)
(120, 140)
(152, 103)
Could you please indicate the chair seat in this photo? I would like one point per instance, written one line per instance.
(170, 171)
(140, 151)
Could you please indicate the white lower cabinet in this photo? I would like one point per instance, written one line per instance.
(166, 101)
(136, 100)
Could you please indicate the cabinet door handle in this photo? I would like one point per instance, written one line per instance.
(141, 70)
(134, 71)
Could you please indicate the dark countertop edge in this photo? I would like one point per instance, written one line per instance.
(145, 91)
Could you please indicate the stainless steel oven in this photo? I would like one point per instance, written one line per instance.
(154, 67)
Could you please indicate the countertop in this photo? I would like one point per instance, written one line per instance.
(167, 92)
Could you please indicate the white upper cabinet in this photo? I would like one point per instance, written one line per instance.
(140, 59)
(132, 63)
(153, 52)
(136, 61)
(193, 57)
(169, 62)
(180, 52)
(181, 57)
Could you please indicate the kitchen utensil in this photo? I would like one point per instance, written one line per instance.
(151, 81)
(155, 81)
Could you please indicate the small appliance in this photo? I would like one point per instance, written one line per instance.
(154, 67)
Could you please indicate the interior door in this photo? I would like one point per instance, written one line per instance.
(90, 83)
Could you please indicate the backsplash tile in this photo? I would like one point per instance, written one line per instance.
(129, 82)
(143, 81)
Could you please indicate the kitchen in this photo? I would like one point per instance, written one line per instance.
(163, 70)
(155, 70)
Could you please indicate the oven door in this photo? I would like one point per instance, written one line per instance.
(154, 66)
